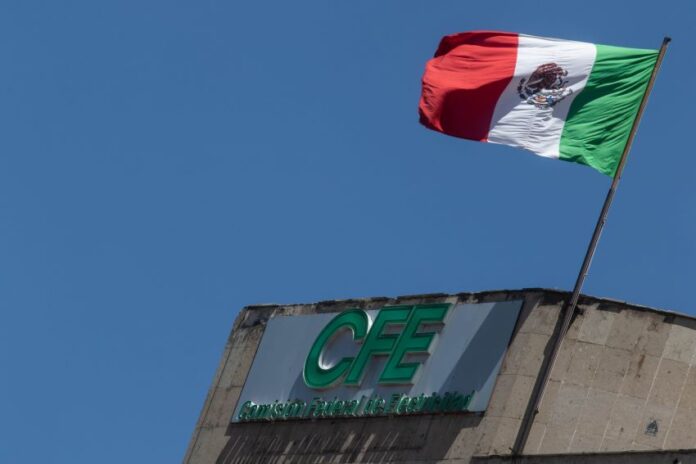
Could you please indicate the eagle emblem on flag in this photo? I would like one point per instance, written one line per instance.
(545, 87)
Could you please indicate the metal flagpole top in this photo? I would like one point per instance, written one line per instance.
(571, 305)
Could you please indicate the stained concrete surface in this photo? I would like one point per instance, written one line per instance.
(624, 381)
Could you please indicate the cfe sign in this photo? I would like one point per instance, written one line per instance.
(406, 359)
(376, 341)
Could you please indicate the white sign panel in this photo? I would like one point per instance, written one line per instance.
(419, 359)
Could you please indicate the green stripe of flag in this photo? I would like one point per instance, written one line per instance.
(600, 118)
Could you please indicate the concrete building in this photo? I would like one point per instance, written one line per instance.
(623, 389)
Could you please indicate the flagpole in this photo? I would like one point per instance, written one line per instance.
(571, 305)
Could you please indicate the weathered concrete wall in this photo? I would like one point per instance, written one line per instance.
(623, 381)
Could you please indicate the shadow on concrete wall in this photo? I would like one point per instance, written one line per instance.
(379, 440)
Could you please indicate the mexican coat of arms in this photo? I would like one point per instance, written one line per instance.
(545, 87)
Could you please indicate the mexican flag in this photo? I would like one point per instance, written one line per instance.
(560, 99)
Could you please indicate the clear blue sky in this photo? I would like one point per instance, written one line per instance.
(164, 163)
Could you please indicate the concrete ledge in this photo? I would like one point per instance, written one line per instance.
(624, 457)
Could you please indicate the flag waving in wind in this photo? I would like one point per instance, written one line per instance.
(560, 99)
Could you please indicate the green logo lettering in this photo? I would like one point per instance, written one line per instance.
(315, 376)
(380, 339)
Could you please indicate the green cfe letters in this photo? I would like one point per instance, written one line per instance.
(375, 342)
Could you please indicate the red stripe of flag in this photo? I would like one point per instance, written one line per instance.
(462, 83)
